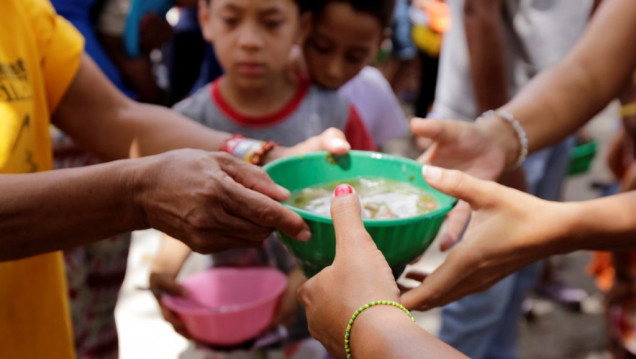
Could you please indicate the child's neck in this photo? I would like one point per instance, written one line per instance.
(258, 101)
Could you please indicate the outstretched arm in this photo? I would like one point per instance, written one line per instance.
(563, 98)
(552, 106)
(104, 121)
(209, 200)
(359, 275)
(533, 228)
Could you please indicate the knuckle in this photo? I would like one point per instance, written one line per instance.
(198, 221)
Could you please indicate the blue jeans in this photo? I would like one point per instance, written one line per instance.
(485, 325)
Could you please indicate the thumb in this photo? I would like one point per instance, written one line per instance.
(171, 287)
(436, 130)
(475, 192)
(347, 220)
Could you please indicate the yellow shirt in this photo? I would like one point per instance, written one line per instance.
(39, 57)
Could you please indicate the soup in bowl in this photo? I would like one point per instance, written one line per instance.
(403, 213)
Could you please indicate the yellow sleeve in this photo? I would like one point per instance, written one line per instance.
(60, 47)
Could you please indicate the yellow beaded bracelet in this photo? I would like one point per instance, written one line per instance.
(362, 309)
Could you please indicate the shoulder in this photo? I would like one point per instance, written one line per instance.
(196, 105)
(327, 100)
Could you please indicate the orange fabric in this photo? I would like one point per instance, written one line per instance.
(602, 268)
(39, 57)
(439, 16)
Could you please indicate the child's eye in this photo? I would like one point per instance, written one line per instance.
(273, 24)
(355, 59)
(230, 21)
(320, 48)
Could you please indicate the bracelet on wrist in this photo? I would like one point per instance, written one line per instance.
(519, 131)
(246, 149)
(347, 338)
(628, 110)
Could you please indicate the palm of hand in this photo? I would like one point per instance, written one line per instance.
(462, 146)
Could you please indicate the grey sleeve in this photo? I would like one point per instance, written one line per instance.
(194, 106)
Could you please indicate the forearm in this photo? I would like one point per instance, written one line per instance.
(59, 209)
(560, 100)
(150, 129)
(386, 332)
(603, 224)
(102, 120)
(486, 49)
(171, 256)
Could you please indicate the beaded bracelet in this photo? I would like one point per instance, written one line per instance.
(521, 134)
(362, 309)
(246, 149)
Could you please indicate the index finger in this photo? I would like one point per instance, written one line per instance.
(438, 287)
(252, 177)
(264, 211)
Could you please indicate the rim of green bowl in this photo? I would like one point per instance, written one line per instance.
(442, 210)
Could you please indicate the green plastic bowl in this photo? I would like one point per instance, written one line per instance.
(582, 157)
(401, 240)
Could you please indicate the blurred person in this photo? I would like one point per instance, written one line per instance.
(344, 39)
(46, 80)
(491, 51)
(552, 106)
(256, 98)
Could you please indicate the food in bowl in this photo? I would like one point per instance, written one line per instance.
(381, 198)
(401, 240)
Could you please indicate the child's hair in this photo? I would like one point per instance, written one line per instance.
(381, 10)
(303, 5)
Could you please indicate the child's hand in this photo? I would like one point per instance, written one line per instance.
(288, 306)
(331, 140)
(166, 283)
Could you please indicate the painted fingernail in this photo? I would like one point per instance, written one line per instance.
(304, 235)
(343, 189)
(339, 143)
(431, 173)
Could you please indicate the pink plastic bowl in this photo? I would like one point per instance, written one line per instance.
(240, 303)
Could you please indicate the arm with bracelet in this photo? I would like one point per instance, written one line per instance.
(555, 104)
(552, 106)
(353, 306)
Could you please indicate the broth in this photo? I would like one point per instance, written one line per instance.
(380, 198)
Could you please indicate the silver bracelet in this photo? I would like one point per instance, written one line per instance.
(521, 134)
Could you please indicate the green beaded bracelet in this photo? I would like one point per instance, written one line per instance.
(362, 309)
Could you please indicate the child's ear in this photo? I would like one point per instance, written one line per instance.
(306, 24)
(204, 20)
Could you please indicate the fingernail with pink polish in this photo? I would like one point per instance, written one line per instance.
(343, 189)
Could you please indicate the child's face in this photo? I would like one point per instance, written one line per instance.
(252, 38)
(342, 42)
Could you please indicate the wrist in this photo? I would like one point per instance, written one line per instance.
(566, 233)
(274, 154)
(370, 336)
(503, 136)
(247, 149)
(138, 180)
